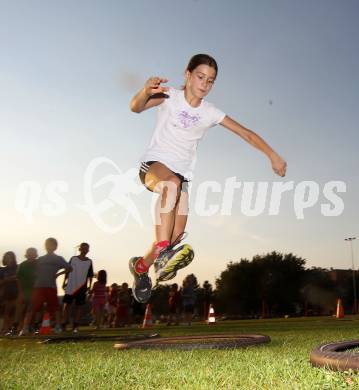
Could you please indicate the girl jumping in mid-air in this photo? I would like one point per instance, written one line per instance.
(167, 165)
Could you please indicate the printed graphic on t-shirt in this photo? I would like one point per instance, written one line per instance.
(186, 119)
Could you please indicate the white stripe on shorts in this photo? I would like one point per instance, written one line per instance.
(144, 167)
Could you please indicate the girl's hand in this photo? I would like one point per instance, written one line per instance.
(153, 86)
(279, 166)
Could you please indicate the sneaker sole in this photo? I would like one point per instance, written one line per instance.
(183, 258)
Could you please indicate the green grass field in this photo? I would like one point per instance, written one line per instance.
(282, 364)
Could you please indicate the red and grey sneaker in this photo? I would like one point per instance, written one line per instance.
(173, 259)
(142, 284)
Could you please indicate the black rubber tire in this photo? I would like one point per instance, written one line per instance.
(216, 341)
(96, 338)
(335, 356)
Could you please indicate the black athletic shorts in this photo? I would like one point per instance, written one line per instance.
(144, 168)
(79, 297)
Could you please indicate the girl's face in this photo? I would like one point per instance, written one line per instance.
(8, 260)
(200, 80)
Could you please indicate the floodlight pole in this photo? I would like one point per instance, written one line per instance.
(350, 240)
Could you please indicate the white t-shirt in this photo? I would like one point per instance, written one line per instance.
(178, 130)
(77, 278)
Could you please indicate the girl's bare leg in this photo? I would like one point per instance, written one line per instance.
(181, 216)
(8, 314)
(162, 180)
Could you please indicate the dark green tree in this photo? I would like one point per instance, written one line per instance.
(270, 284)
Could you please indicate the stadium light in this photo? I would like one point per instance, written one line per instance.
(350, 240)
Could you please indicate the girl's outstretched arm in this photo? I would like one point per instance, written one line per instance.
(152, 94)
(279, 166)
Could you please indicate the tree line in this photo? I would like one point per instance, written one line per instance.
(271, 285)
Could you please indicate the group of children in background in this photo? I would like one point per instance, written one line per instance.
(25, 288)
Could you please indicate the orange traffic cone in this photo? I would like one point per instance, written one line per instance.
(45, 326)
(211, 316)
(147, 321)
(340, 309)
